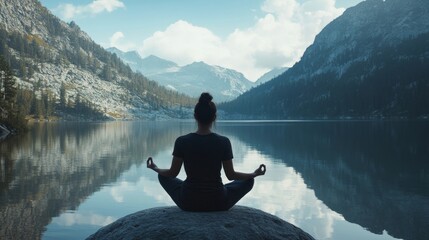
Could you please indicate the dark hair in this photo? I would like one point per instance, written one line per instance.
(205, 110)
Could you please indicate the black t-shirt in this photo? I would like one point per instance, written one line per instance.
(202, 158)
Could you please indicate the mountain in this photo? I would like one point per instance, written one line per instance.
(275, 72)
(371, 62)
(193, 79)
(147, 66)
(61, 71)
(132, 57)
(152, 65)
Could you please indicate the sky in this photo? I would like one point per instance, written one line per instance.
(250, 36)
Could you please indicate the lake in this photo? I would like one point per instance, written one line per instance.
(335, 180)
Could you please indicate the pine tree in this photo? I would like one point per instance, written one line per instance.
(24, 101)
(63, 95)
(7, 86)
(9, 109)
(40, 108)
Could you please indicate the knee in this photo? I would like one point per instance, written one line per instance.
(161, 178)
(249, 183)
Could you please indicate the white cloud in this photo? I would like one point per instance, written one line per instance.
(184, 43)
(118, 40)
(70, 219)
(69, 11)
(118, 192)
(279, 38)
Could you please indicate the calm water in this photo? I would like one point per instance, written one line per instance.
(335, 180)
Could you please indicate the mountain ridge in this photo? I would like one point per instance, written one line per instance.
(275, 72)
(364, 70)
(191, 79)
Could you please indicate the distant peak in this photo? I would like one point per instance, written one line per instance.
(113, 49)
(199, 63)
(133, 53)
(153, 57)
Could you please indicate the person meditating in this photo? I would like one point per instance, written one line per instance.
(203, 154)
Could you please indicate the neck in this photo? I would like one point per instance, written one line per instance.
(204, 129)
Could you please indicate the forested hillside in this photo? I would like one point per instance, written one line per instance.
(61, 72)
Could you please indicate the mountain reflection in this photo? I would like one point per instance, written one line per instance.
(374, 174)
(55, 167)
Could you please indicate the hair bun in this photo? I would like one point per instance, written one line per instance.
(205, 98)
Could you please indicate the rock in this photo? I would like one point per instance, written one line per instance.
(172, 223)
(4, 131)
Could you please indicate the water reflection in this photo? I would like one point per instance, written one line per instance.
(333, 179)
(373, 174)
(55, 167)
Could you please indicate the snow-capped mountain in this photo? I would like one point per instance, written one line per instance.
(193, 79)
(48, 55)
(275, 72)
(148, 66)
(371, 62)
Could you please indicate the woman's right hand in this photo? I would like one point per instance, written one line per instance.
(260, 171)
(150, 164)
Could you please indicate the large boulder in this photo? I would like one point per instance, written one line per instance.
(172, 223)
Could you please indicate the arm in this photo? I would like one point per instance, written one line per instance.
(231, 174)
(173, 171)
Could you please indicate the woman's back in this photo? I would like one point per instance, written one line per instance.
(202, 157)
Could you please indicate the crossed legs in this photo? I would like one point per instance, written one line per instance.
(234, 190)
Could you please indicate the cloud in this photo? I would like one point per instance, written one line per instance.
(277, 39)
(69, 11)
(281, 36)
(184, 43)
(118, 40)
(118, 192)
(70, 219)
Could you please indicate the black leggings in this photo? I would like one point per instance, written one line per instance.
(234, 191)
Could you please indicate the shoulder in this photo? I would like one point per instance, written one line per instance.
(221, 138)
(184, 137)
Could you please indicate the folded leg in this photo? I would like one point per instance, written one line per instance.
(236, 190)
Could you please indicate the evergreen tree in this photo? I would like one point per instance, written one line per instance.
(63, 95)
(24, 101)
(9, 112)
(48, 99)
(40, 108)
(7, 86)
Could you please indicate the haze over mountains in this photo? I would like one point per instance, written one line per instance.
(371, 62)
(271, 74)
(193, 79)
